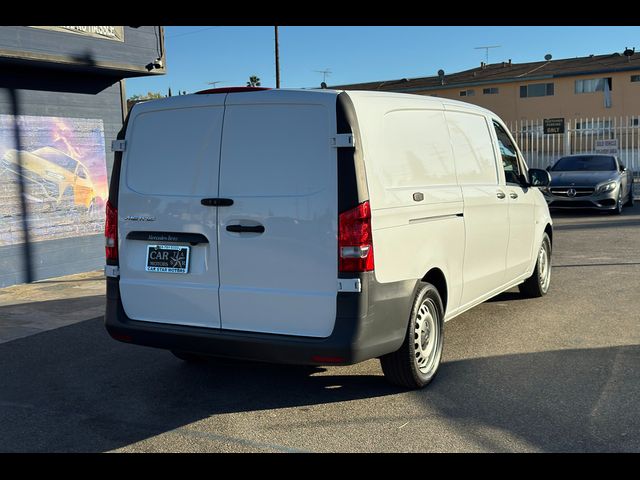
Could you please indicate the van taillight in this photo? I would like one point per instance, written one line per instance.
(111, 233)
(355, 242)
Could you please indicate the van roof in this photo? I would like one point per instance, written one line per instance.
(291, 94)
(423, 98)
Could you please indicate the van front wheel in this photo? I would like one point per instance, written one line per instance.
(416, 362)
(537, 284)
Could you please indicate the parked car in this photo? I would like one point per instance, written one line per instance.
(54, 175)
(594, 181)
(317, 227)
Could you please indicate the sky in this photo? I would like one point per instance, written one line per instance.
(198, 55)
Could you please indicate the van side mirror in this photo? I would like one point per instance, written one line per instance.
(539, 178)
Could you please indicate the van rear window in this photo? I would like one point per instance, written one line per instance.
(175, 151)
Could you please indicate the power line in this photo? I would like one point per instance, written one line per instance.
(189, 33)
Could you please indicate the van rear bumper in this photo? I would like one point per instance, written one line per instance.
(368, 324)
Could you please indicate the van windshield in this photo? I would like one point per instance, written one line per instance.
(585, 163)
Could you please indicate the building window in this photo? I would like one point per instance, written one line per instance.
(467, 93)
(490, 91)
(634, 121)
(593, 85)
(536, 90)
(635, 78)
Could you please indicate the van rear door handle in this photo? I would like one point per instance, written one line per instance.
(216, 202)
(500, 194)
(245, 228)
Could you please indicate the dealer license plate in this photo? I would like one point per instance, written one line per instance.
(167, 258)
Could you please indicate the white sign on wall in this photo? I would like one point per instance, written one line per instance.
(609, 147)
(105, 32)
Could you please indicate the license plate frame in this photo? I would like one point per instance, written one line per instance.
(173, 262)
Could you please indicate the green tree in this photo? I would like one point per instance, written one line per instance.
(148, 96)
(254, 81)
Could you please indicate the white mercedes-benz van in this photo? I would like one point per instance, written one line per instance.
(316, 226)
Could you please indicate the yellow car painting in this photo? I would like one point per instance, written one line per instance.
(54, 175)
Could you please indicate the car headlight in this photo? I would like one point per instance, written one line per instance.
(606, 187)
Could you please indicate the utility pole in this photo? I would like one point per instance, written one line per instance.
(215, 83)
(486, 49)
(277, 60)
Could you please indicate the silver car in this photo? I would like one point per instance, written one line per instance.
(595, 181)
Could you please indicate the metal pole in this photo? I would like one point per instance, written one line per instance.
(26, 246)
(277, 60)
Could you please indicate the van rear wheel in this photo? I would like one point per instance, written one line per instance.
(416, 363)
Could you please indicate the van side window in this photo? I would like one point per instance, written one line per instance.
(509, 156)
(418, 143)
(475, 158)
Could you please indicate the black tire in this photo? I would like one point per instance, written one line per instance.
(402, 367)
(537, 285)
(630, 200)
(188, 357)
(618, 209)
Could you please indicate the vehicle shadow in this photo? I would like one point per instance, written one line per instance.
(587, 212)
(628, 223)
(507, 296)
(75, 390)
(576, 400)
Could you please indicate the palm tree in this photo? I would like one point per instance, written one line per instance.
(254, 81)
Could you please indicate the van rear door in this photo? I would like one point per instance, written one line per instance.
(278, 242)
(167, 238)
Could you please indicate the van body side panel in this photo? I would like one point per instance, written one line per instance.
(486, 215)
(521, 220)
(171, 162)
(417, 206)
(279, 168)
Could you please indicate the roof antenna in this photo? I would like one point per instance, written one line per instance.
(486, 49)
(324, 73)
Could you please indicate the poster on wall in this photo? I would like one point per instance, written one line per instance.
(64, 175)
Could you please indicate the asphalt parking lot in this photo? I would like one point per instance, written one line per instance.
(557, 374)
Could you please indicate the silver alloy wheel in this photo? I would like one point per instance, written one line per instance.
(544, 267)
(425, 335)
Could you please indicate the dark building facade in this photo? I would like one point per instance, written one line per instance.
(62, 102)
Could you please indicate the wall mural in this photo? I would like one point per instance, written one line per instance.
(64, 173)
